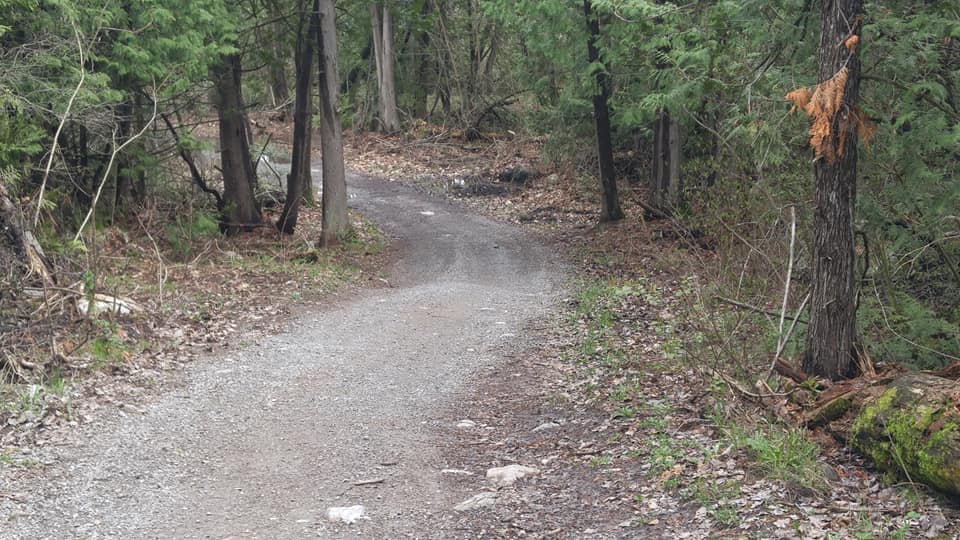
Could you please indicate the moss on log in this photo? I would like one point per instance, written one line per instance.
(911, 429)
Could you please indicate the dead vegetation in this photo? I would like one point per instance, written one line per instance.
(151, 296)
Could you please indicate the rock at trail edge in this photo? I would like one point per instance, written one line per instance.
(506, 476)
(476, 502)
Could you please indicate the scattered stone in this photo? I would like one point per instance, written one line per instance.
(829, 472)
(546, 426)
(466, 424)
(347, 514)
(506, 476)
(480, 500)
(457, 471)
(368, 482)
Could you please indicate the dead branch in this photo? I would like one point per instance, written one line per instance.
(194, 171)
(113, 156)
(756, 309)
(25, 242)
(787, 370)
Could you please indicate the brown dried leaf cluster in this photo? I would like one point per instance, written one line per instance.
(851, 43)
(823, 105)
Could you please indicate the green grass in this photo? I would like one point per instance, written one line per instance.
(716, 497)
(600, 461)
(10, 461)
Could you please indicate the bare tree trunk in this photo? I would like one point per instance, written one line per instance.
(422, 68)
(831, 333)
(240, 207)
(610, 206)
(381, 21)
(278, 75)
(665, 190)
(300, 177)
(335, 221)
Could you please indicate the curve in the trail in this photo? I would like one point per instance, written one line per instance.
(260, 444)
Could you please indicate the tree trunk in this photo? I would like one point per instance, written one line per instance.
(381, 21)
(831, 333)
(240, 207)
(422, 68)
(335, 222)
(300, 177)
(665, 190)
(278, 75)
(610, 207)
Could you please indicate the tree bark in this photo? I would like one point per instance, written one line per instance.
(241, 210)
(300, 176)
(665, 190)
(422, 68)
(381, 22)
(334, 222)
(610, 207)
(831, 334)
(278, 73)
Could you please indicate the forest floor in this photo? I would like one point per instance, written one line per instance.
(532, 338)
(630, 437)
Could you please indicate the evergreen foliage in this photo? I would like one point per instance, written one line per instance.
(721, 68)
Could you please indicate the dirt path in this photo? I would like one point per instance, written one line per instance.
(259, 444)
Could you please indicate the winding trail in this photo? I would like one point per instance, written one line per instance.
(259, 444)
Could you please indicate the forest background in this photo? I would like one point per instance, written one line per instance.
(107, 109)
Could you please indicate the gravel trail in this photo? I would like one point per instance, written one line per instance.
(259, 444)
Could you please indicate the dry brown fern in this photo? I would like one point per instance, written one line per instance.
(851, 43)
(822, 106)
(800, 97)
(867, 129)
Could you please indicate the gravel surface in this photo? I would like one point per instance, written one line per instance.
(261, 443)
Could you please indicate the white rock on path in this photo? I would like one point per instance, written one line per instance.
(347, 514)
(466, 424)
(506, 476)
(546, 426)
(457, 471)
(480, 500)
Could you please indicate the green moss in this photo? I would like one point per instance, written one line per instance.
(830, 412)
(909, 431)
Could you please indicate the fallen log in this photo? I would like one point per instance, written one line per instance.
(912, 429)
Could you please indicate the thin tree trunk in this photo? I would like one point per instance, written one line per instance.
(831, 334)
(278, 75)
(300, 177)
(422, 71)
(240, 207)
(665, 190)
(610, 207)
(381, 22)
(335, 222)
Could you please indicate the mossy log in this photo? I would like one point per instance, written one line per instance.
(911, 429)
